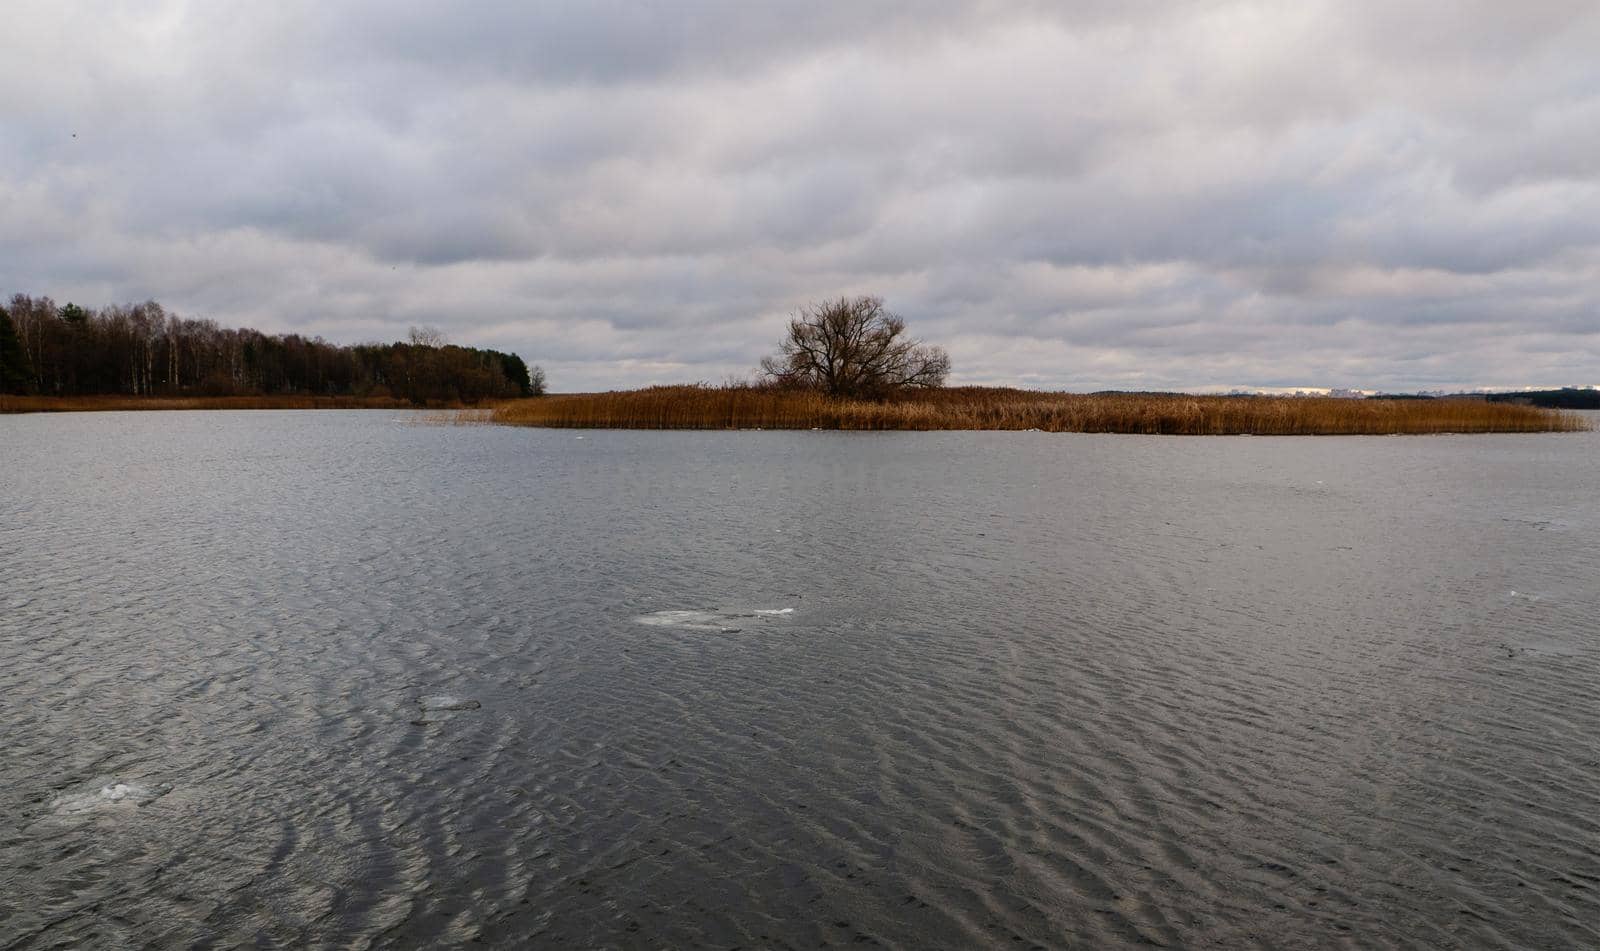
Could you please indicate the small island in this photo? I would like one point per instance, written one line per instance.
(847, 364)
(764, 407)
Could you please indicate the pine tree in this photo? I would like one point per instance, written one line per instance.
(13, 371)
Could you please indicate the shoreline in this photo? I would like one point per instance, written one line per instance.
(107, 404)
(955, 409)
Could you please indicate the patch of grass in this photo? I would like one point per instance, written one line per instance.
(748, 407)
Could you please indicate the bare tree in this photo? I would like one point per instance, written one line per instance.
(853, 347)
(427, 337)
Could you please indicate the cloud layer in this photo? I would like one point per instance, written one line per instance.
(1065, 194)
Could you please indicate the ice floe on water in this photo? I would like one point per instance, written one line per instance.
(722, 622)
(442, 706)
(107, 797)
(692, 620)
(445, 702)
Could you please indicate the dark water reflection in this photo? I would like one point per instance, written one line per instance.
(1036, 690)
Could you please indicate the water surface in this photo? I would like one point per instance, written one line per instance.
(1034, 690)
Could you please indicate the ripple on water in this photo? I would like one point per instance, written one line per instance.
(1054, 691)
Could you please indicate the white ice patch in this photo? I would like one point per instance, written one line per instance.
(446, 702)
(111, 796)
(722, 622)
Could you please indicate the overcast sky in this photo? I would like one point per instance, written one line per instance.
(1078, 194)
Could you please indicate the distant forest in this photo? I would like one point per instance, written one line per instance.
(1568, 398)
(142, 350)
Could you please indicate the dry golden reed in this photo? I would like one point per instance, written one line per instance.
(745, 407)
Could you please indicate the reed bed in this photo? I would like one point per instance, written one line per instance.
(744, 407)
(91, 404)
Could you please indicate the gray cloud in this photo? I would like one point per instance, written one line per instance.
(1075, 194)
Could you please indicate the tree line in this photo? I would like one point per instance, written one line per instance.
(143, 350)
(1565, 398)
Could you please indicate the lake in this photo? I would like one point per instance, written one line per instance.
(331, 679)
